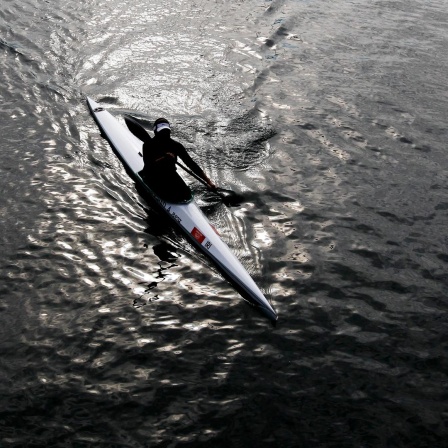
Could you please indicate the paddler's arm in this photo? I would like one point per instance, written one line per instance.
(186, 158)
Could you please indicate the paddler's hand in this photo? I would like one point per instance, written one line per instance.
(168, 155)
(211, 185)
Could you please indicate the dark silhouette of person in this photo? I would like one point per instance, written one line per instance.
(160, 155)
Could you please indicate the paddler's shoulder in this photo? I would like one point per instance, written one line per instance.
(176, 144)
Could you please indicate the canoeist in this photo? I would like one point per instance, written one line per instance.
(159, 155)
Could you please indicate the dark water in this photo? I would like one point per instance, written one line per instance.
(330, 118)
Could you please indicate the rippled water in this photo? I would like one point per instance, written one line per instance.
(330, 119)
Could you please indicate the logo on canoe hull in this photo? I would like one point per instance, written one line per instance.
(198, 235)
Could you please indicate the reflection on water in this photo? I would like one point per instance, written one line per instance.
(330, 122)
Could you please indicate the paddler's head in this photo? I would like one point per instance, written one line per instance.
(162, 127)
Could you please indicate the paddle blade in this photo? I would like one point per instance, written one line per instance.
(137, 129)
(232, 200)
(228, 197)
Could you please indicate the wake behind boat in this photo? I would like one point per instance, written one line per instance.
(187, 216)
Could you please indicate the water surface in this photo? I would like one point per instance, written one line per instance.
(330, 119)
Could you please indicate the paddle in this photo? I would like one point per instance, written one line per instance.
(142, 134)
(137, 129)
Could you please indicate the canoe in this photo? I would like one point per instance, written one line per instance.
(187, 217)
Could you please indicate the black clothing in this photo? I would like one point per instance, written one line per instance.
(159, 155)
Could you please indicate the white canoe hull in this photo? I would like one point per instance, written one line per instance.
(188, 217)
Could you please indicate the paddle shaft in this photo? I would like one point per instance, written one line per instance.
(214, 190)
(193, 174)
